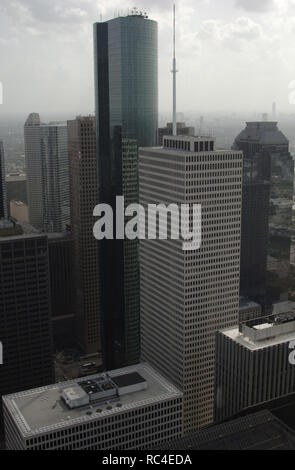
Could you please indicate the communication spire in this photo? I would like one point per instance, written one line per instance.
(174, 71)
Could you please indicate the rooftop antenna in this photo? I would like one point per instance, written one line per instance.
(174, 71)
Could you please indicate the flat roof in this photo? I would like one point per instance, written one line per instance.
(165, 150)
(42, 410)
(241, 338)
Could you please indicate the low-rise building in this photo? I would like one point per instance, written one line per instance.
(129, 408)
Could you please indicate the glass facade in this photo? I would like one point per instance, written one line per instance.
(55, 170)
(126, 83)
(267, 202)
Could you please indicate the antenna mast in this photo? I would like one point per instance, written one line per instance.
(174, 71)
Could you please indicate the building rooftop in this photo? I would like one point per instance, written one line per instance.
(264, 332)
(257, 431)
(45, 409)
(264, 133)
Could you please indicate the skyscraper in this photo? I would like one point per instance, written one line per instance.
(47, 174)
(126, 83)
(254, 234)
(3, 197)
(83, 198)
(34, 170)
(25, 323)
(55, 173)
(267, 204)
(187, 295)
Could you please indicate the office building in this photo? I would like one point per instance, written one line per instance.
(16, 188)
(130, 408)
(187, 295)
(253, 364)
(181, 129)
(34, 170)
(267, 205)
(55, 174)
(47, 174)
(126, 84)
(83, 199)
(3, 193)
(62, 291)
(25, 323)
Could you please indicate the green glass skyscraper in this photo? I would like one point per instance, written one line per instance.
(126, 84)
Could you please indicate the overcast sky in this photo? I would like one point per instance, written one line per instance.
(233, 55)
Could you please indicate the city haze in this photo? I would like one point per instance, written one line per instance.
(232, 56)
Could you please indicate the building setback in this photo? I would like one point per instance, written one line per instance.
(130, 408)
(187, 295)
(181, 129)
(252, 363)
(83, 199)
(25, 323)
(126, 84)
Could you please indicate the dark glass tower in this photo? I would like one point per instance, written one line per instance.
(267, 207)
(126, 83)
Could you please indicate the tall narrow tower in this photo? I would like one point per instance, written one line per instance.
(126, 84)
(3, 197)
(34, 170)
(83, 198)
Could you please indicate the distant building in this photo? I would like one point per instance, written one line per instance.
(83, 199)
(55, 173)
(16, 188)
(130, 408)
(257, 431)
(25, 317)
(34, 170)
(3, 194)
(19, 211)
(182, 129)
(126, 84)
(252, 362)
(186, 296)
(47, 174)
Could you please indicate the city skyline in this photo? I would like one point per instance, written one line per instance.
(115, 335)
(234, 38)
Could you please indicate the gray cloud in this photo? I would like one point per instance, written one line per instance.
(255, 5)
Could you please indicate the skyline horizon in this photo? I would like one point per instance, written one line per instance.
(226, 43)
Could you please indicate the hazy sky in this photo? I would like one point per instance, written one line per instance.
(233, 55)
